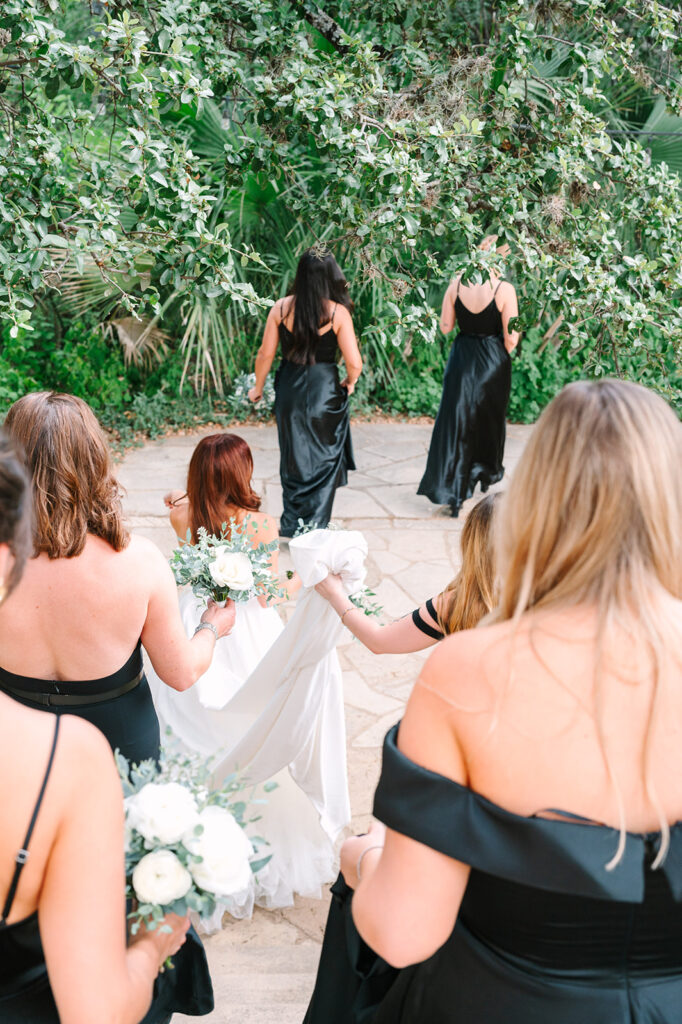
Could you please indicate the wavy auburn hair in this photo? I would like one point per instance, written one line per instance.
(219, 482)
(471, 595)
(75, 492)
(593, 516)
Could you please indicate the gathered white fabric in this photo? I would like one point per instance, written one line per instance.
(271, 708)
(292, 703)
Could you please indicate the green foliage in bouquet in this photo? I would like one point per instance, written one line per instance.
(186, 842)
(228, 566)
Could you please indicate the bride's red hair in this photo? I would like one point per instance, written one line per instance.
(219, 482)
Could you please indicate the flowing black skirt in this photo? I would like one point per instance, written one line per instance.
(315, 445)
(467, 445)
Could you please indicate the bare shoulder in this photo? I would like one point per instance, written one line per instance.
(144, 555)
(262, 526)
(505, 291)
(464, 668)
(342, 316)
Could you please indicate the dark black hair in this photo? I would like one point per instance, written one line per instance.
(318, 277)
(15, 508)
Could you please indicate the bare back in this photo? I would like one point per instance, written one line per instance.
(79, 618)
(522, 712)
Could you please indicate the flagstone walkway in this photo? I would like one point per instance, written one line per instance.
(264, 969)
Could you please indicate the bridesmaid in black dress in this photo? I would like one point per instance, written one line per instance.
(485, 901)
(312, 324)
(90, 597)
(61, 847)
(467, 445)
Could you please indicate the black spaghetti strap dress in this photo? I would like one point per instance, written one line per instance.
(467, 444)
(545, 934)
(313, 427)
(120, 705)
(25, 993)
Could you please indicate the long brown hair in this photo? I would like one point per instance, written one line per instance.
(15, 509)
(471, 595)
(219, 482)
(593, 516)
(74, 489)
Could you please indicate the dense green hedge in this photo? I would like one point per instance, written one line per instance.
(135, 402)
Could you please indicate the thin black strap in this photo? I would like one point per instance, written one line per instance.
(459, 281)
(431, 609)
(496, 287)
(281, 310)
(429, 630)
(22, 855)
(334, 312)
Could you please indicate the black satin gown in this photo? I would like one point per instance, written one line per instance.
(545, 934)
(313, 427)
(467, 444)
(128, 720)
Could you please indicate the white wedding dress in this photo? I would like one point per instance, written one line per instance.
(271, 707)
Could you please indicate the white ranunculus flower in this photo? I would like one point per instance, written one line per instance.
(225, 849)
(231, 569)
(162, 812)
(161, 877)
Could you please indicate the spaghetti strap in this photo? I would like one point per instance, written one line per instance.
(334, 313)
(459, 281)
(496, 287)
(23, 853)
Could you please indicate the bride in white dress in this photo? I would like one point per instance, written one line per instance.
(201, 720)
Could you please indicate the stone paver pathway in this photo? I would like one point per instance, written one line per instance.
(264, 969)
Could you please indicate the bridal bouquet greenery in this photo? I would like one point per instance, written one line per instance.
(186, 844)
(228, 566)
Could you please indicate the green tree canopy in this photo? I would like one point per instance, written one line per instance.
(172, 157)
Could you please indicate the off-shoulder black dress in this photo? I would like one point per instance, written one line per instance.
(545, 934)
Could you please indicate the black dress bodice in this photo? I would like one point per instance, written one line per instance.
(487, 322)
(545, 933)
(326, 350)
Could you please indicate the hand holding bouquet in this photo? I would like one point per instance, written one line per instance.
(186, 845)
(228, 566)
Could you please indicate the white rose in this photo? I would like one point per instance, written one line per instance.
(225, 849)
(231, 569)
(161, 878)
(162, 812)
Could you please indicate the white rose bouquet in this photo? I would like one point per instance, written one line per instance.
(186, 844)
(228, 566)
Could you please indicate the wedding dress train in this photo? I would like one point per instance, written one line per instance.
(271, 707)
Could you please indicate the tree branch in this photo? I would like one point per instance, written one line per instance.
(328, 28)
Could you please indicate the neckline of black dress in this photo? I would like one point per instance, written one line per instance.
(471, 312)
(321, 334)
(123, 674)
(569, 818)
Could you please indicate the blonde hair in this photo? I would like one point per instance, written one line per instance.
(74, 489)
(470, 595)
(593, 516)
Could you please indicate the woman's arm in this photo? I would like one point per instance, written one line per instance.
(82, 901)
(177, 660)
(447, 313)
(408, 897)
(266, 353)
(400, 637)
(348, 343)
(508, 310)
